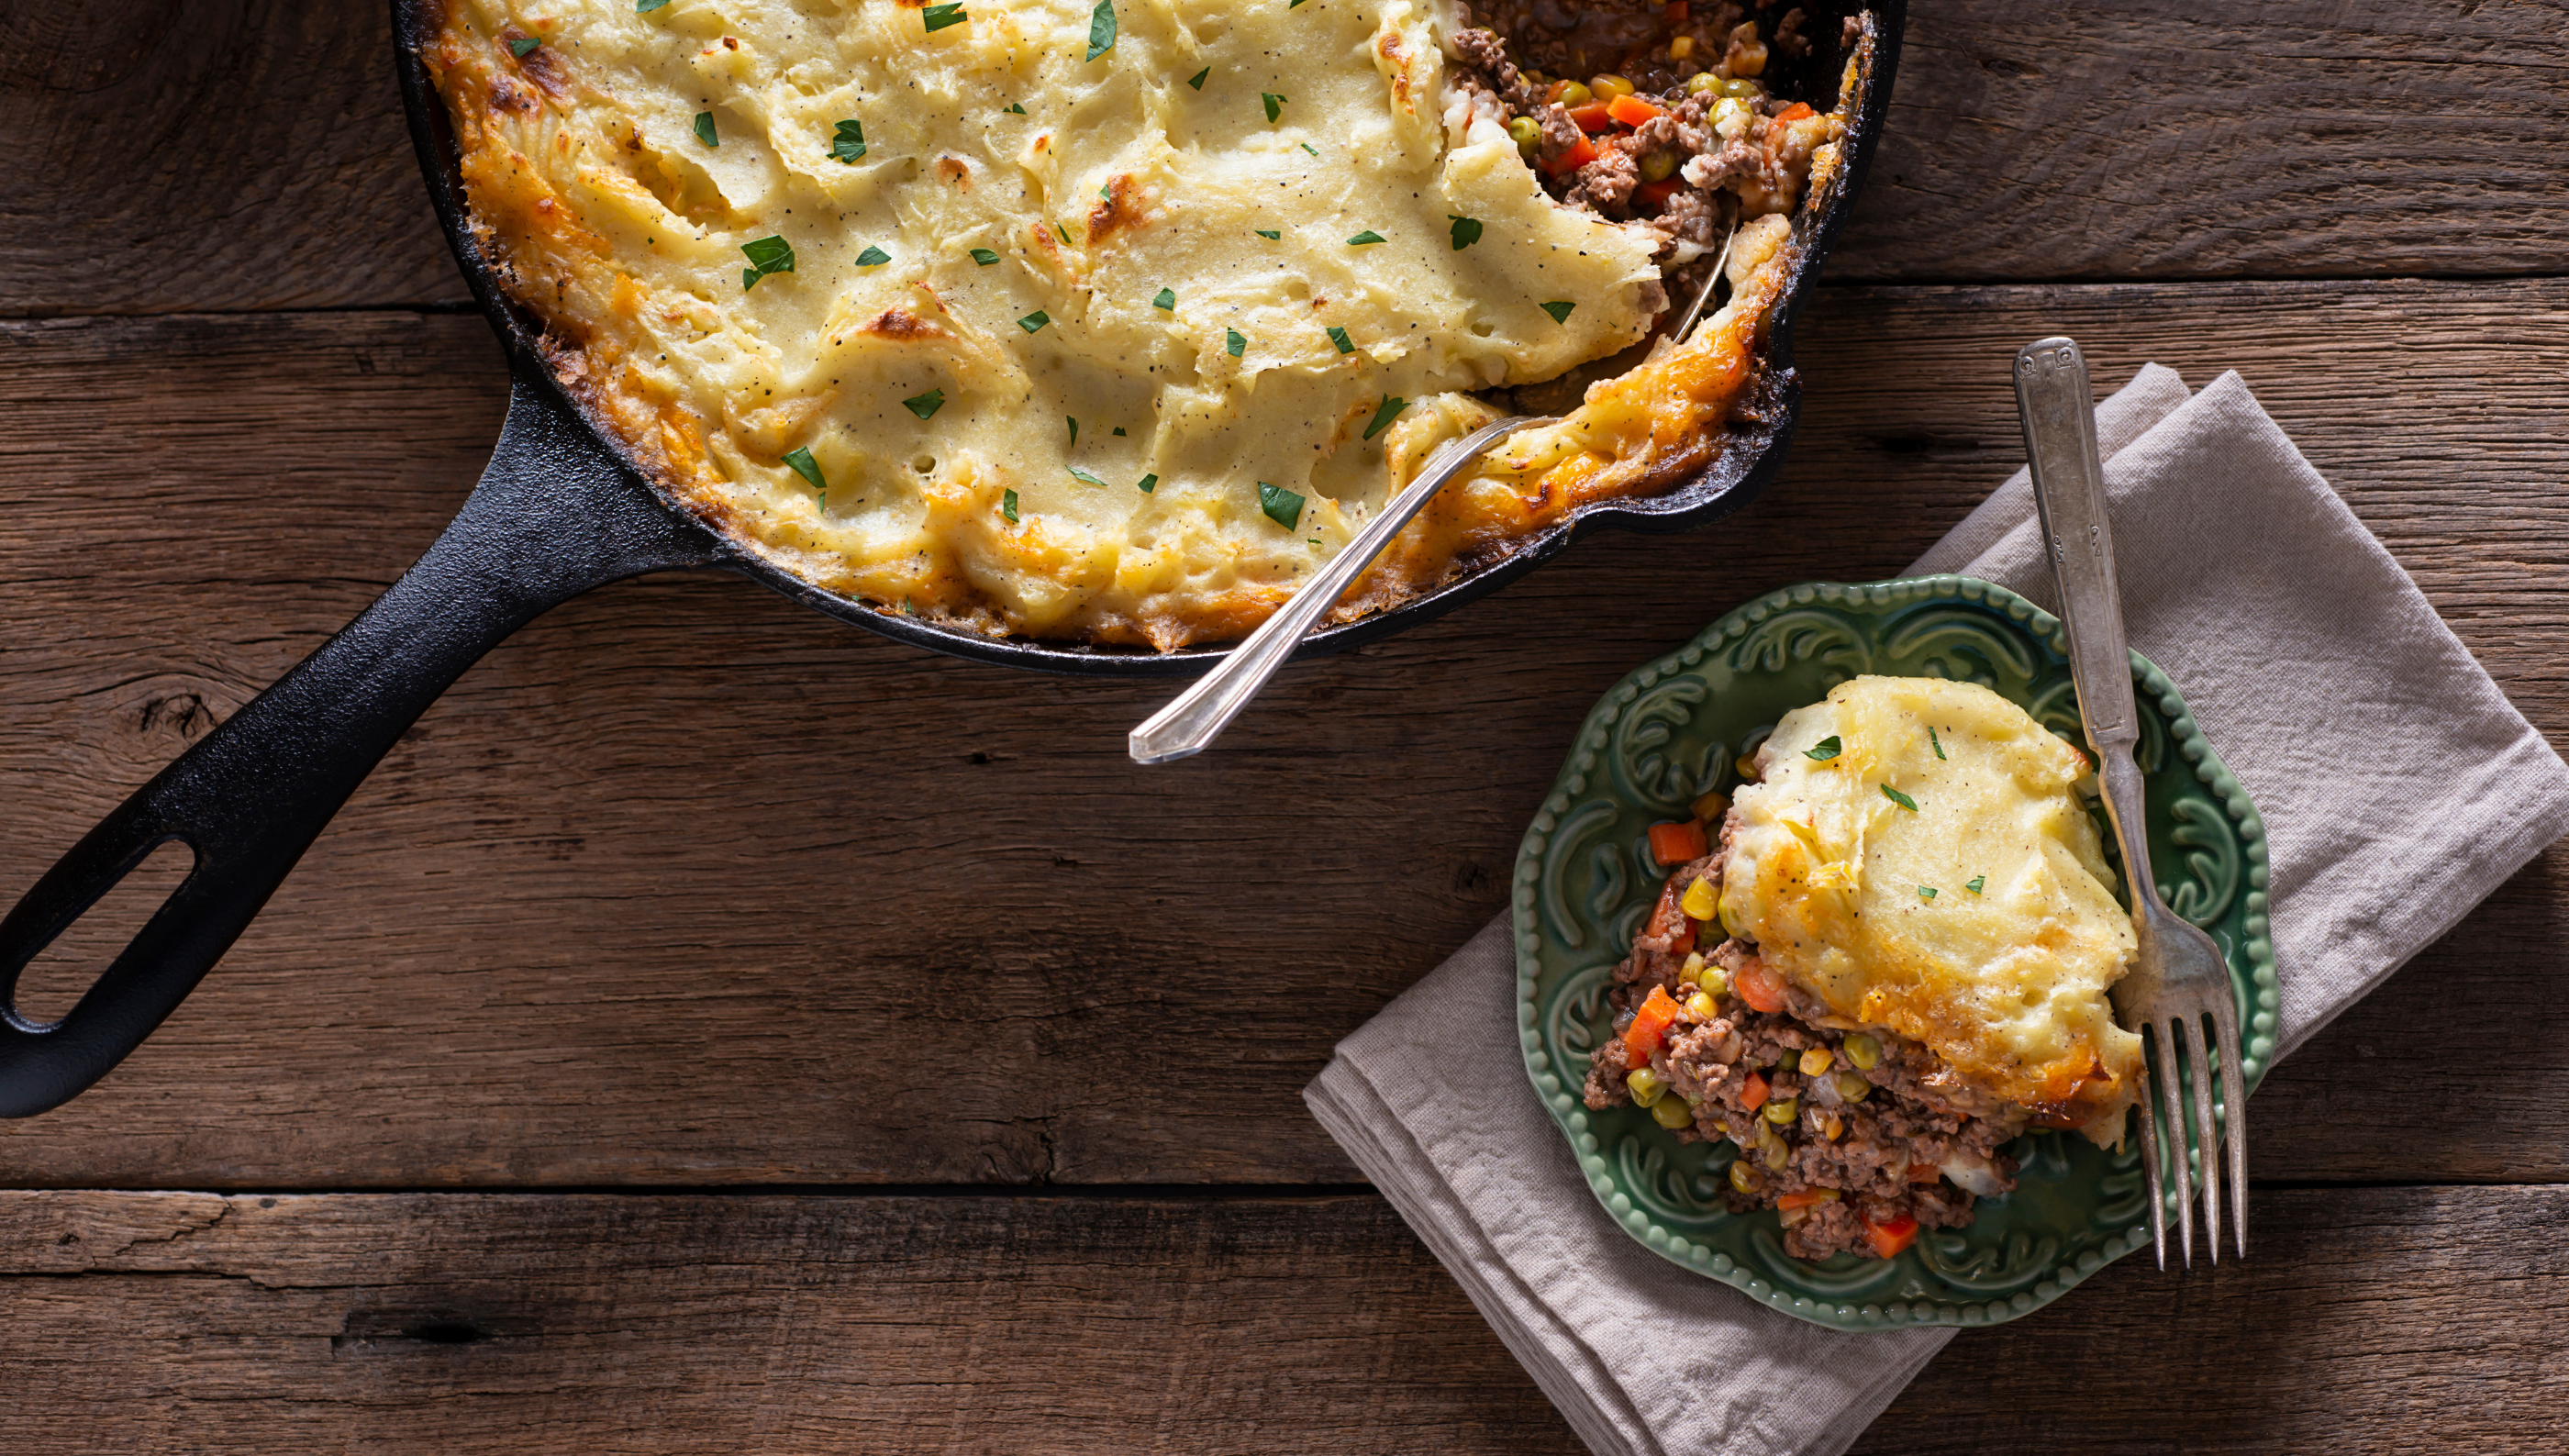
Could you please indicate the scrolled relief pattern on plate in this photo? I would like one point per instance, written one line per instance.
(1840, 1276)
(1573, 833)
(1579, 1016)
(1960, 644)
(1805, 633)
(1639, 753)
(2213, 860)
(1669, 1181)
(1999, 1267)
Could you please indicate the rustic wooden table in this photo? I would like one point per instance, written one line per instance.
(713, 1029)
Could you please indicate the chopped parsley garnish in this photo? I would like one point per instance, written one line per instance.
(937, 18)
(1925, 891)
(873, 258)
(1074, 428)
(1366, 239)
(705, 129)
(1467, 231)
(645, 7)
(765, 256)
(1064, 231)
(801, 463)
(1198, 80)
(1275, 104)
(1236, 342)
(1084, 477)
(1314, 151)
(1896, 797)
(1389, 411)
(1975, 883)
(1824, 750)
(1119, 429)
(1168, 299)
(1149, 484)
(1280, 505)
(1101, 29)
(1292, 4)
(1008, 505)
(1339, 336)
(1106, 189)
(926, 405)
(1559, 311)
(1036, 320)
(1015, 107)
(1269, 234)
(984, 256)
(523, 47)
(849, 144)
(1933, 742)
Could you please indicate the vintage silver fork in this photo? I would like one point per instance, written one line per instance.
(2179, 976)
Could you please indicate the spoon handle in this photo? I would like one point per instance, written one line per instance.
(1185, 726)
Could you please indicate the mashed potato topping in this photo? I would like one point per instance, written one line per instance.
(1074, 320)
(1916, 855)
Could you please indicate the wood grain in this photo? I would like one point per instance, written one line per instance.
(2370, 1320)
(251, 155)
(685, 885)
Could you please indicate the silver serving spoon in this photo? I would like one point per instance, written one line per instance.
(1199, 713)
(1185, 726)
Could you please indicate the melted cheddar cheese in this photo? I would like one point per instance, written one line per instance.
(1064, 335)
(1979, 922)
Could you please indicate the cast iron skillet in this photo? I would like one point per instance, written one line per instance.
(561, 510)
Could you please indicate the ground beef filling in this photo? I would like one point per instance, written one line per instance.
(1720, 149)
(1870, 1138)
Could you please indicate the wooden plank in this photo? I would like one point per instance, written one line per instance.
(686, 885)
(251, 155)
(226, 154)
(2148, 140)
(2369, 1320)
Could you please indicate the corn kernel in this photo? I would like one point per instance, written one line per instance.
(1698, 901)
(1606, 87)
(1816, 1061)
(1703, 1006)
(1681, 48)
(1832, 1126)
(1711, 807)
(1742, 1179)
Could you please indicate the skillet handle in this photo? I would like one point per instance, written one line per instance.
(552, 517)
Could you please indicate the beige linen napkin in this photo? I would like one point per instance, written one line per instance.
(2397, 785)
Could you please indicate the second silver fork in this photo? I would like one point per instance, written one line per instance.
(2179, 979)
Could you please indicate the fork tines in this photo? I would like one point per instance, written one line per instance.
(2221, 1134)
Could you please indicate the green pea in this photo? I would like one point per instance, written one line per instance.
(1863, 1051)
(1672, 1112)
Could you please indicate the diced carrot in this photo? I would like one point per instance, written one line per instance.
(1924, 1173)
(1595, 115)
(1889, 1238)
(1752, 1093)
(1670, 922)
(1631, 111)
(1579, 155)
(1675, 844)
(1795, 113)
(1650, 1024)
(1673, 13)
(1806, 1198)
(1653, 197)
(1760, 987)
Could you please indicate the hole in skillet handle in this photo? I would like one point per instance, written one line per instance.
(49, 985)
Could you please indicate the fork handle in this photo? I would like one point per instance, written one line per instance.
(2059, 412)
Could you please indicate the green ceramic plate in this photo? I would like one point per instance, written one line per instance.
(1584, 879)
